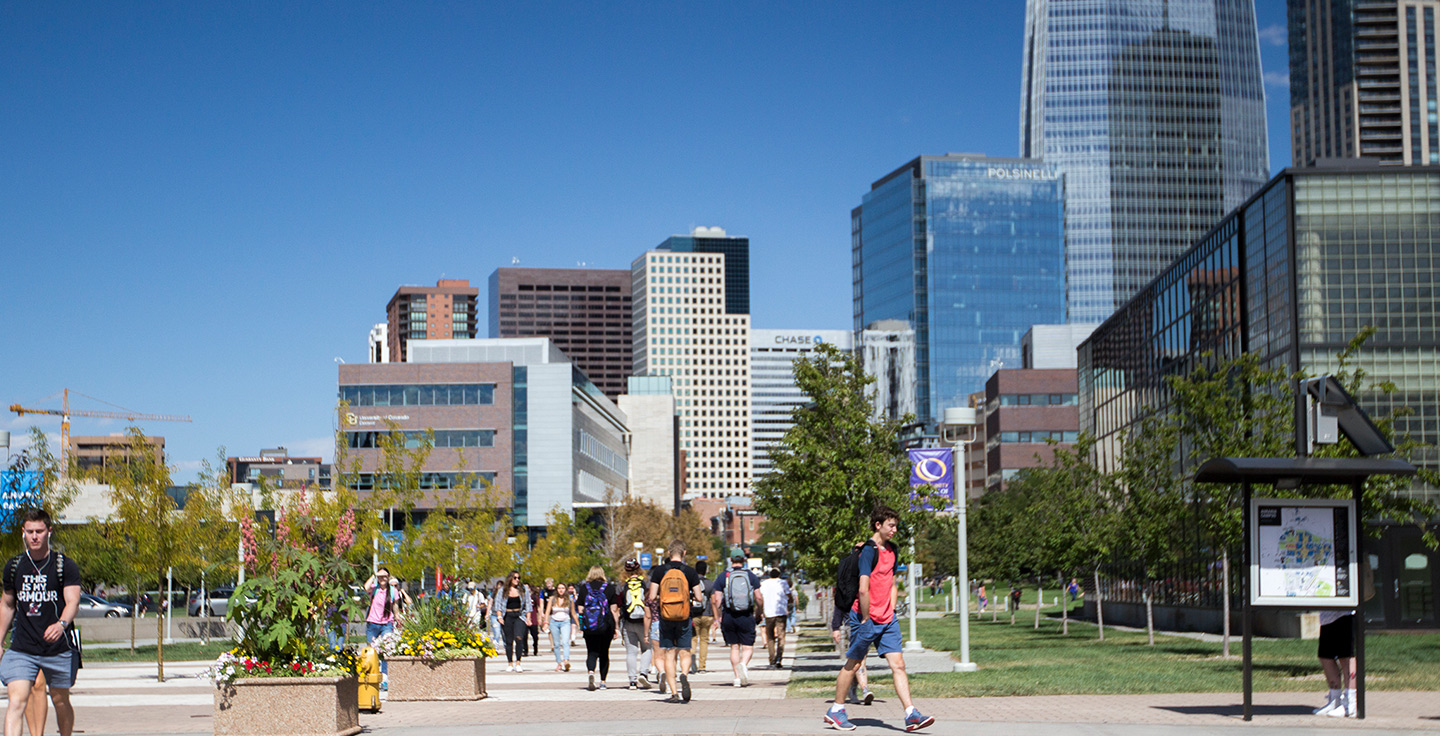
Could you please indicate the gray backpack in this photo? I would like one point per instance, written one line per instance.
(739, 593)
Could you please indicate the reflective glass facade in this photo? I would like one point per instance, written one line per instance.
(1155, 113)
(1292, 275)
(970, 252)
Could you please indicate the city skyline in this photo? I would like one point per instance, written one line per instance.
(207, 207)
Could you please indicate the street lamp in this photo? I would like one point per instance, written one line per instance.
(958, 429)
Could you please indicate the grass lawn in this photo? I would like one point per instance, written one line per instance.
(1020, 660)
(177, 652)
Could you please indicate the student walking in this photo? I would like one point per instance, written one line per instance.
(635, 626)
(380, 617)
(596, 606)
(673, 586)
(512, 601)
(559, 617)
(777, 600)
(704, 623)
(737, 597)
(47, 584)
(873, 622)
(839, 632)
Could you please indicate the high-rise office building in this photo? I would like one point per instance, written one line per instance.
(379, 343)
(586, 312)
(969, 251)
(774, 395)
(1155, 113)
(440, 312)
(887, 352)
(737, 261)
(1362, 80)
(684, 330)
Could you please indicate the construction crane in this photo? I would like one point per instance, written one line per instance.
(65, 413)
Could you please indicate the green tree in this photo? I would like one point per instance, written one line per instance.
(34, 480)
(1153, 505)
(834, 465)
(210, 524)
(1074, 514)
(566, 552)
(145, 515)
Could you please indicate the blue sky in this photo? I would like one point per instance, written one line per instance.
(204, 205)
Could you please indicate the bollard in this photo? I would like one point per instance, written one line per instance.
(369, 680)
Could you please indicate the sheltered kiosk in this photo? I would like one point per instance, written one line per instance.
(1333, 580)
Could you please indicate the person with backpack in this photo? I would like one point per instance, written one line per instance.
(597, 606)
(673, 586)
(737, 598)
(704, 623)
(44, 586)
(870, 573)
(635, 626)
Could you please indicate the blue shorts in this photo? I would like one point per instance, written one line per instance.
(885, 637)
(19, 666)
(675, 634)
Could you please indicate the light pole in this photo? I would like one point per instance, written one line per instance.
(958, 429)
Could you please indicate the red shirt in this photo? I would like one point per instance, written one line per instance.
(879, 564)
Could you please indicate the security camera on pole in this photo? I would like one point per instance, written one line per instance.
(958, 429)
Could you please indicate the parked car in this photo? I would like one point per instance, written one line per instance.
(216, 604)
(96, 607)
(147, 602)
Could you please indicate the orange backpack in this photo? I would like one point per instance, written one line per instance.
(674, 596)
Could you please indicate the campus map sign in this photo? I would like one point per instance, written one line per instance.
(1302, 553)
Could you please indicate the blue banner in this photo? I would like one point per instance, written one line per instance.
(934, 468)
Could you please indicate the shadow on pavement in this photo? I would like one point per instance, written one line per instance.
(1237, 710)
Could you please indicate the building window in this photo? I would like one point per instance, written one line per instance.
(451, 394)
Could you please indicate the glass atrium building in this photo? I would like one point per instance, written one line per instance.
(1155, 113)
(969, 251)
(1292, 275)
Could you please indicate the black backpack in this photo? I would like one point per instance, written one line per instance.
(847, 577)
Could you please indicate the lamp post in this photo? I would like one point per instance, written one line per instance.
(958, 429)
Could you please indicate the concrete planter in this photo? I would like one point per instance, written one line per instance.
(412, 678)
(288, 706)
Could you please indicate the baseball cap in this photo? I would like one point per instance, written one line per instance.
(737, 557)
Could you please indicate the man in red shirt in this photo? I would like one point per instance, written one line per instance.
(872, 621)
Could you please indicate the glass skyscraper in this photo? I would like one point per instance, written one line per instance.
(1155, 113)
(969, 251)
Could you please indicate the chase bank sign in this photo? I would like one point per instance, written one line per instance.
(798, 340)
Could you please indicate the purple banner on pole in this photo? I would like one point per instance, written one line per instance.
(934, 468)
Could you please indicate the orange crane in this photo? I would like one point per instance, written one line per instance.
(65, 413)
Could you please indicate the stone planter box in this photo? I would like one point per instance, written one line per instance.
(412, 678)
(288, 706)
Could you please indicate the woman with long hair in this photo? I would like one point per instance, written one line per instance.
(559, 617)
(512, 601)
(597, 608)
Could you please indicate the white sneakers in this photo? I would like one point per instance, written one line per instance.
(744, 675)
(1342, 704)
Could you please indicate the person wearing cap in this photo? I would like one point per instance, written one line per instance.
(737, 621)
(635, 626)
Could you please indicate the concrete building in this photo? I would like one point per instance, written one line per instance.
(1362, 80)
(970, 251)
(277, 469)
(1155, 114)
(444, 311)
(586, 312)
(379, 343)
(517, 411)
(774, 395)
(93, 455)
(1052, 346)
(887, 352)
(656, 463)
(684, 330)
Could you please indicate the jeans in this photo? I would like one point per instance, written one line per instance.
(560, 640)
(375, 631)
(638, 651)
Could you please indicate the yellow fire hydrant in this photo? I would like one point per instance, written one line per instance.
(370, 680)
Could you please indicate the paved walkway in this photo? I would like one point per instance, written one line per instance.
(114, 699)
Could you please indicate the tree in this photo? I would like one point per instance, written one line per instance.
(33, 481)
(1153, 504)
(1074, 514)
(837, 463)
(209, 523)
(632, 520)
(145, 516)
(566, 552)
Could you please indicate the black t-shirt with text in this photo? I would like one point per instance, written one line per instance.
(39, 599)
(692, 578)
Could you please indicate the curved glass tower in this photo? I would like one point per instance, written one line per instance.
(1154, 110)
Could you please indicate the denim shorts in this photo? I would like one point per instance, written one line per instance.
(59, 668)
(885, 637)
(675, 634)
